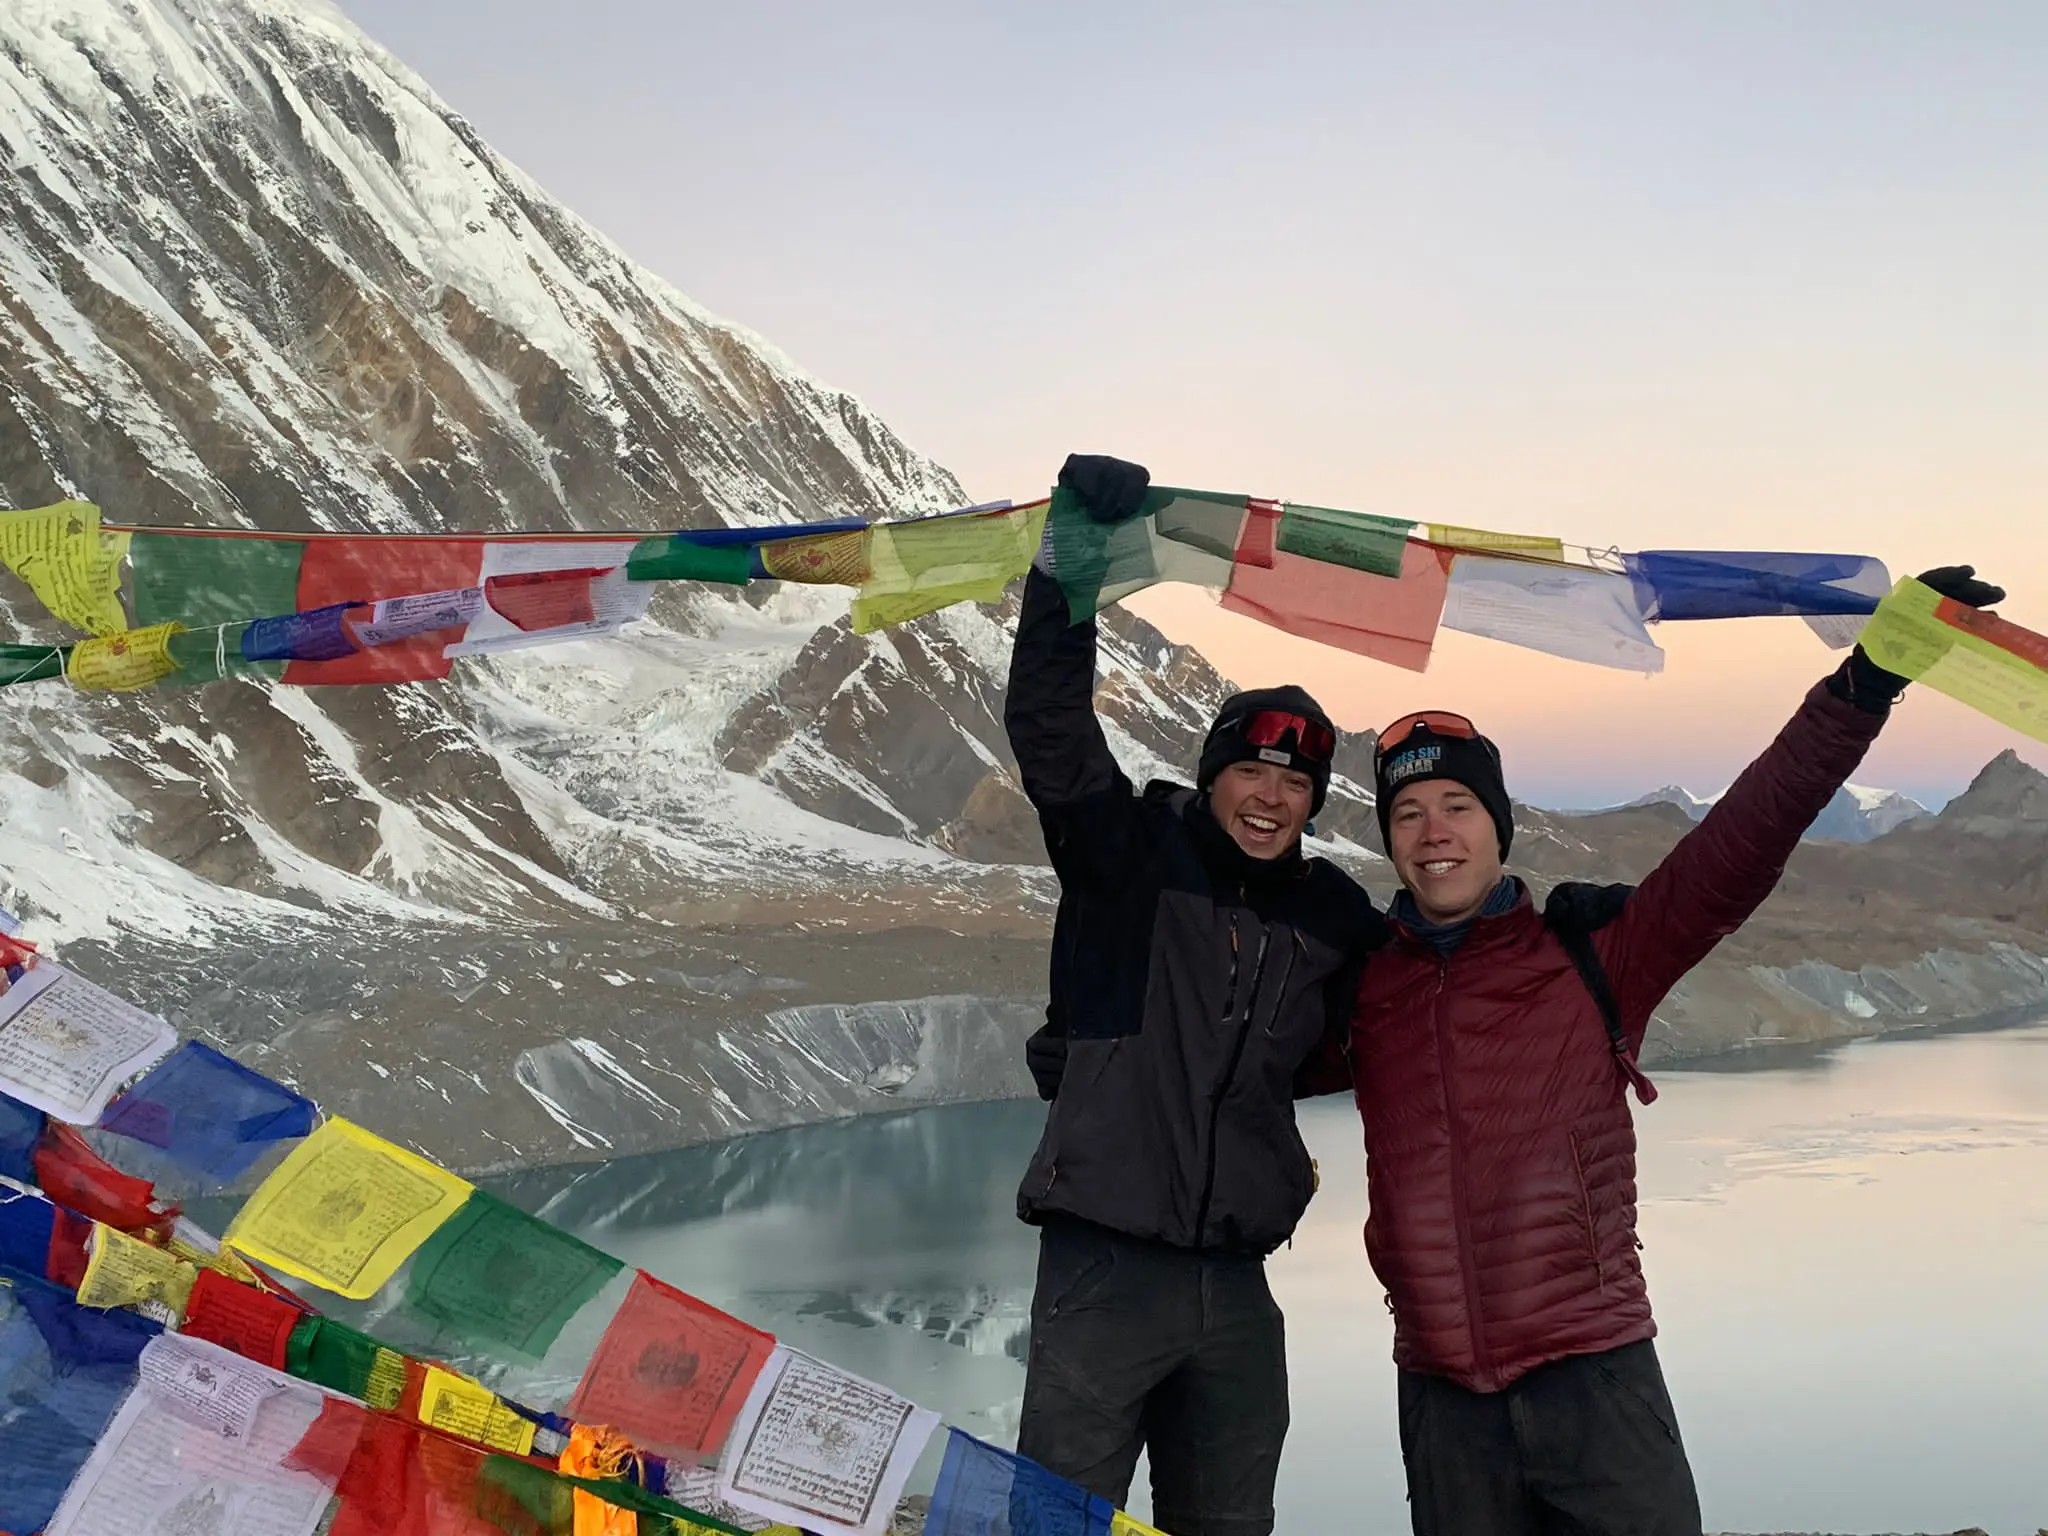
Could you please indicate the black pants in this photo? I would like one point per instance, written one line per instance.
(1586, 1446)
(1135, 1345)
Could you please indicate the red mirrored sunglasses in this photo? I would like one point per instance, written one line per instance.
(1437, 721)
(1269, 727)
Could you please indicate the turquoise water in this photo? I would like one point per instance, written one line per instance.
(1848, 1256)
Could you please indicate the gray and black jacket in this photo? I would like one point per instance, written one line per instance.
(1189, 981)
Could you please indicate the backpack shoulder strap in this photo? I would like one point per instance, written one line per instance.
(1574, 912)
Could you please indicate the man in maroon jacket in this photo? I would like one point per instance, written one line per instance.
(1501, 1156)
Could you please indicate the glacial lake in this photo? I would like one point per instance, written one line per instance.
(1847, 1251)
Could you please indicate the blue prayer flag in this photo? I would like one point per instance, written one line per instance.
(983, 1491)
(20, 1129)
(64, 1369)
(26, 1222)
(1721, 584)
(209, 1113)
(319, 634)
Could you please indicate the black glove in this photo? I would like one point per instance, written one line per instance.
(1870, 687)
(1959, 583)
(1111, 490)
(1045, 1055)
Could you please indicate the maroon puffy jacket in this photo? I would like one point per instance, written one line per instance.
(1500, 1153)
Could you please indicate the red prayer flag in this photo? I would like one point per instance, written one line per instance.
(69, 1233)
(543, 599)
(671, 1372)
(1391, 619)
(78, 1178)
(241, 1318)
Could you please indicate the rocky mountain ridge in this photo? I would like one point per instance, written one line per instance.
(1855, 815)
(736, 868)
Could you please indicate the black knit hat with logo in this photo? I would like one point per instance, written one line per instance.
(1472, 761)
(1226, 743)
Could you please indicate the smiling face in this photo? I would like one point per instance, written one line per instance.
(1444, 848)
(1262, 806)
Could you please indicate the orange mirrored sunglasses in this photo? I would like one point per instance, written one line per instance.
(1439, 722)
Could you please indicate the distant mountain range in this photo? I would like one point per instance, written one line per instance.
(1856, 814)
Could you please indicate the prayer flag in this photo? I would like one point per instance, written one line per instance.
(1180, 535)
(474, 1413)
(983, 1491)
(821, 1448)
(202, 1444)
(915, 568)
(528, 590)
(239, 1317)
(71, 564)
(66, 1045)
(124, 1271)
(1722, 584)
(208, 1113)
(333, 1355)
(345, 1209)
(671, 1371)
(32, 663)
(21, 1127)
(78, 1178)
(63, 1372)
(1565, 610)
(1529, 546)
(496, 1277)
(1986, 662)
(1355, 539)
(27, 1225)
(1124, 1525)
(124, 661)
(1388, 619)
(819, 559)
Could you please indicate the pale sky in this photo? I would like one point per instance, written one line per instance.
(1736, 275)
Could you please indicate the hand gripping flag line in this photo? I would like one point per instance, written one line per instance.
(1986, 662)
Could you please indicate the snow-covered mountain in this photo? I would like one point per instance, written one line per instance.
(254, 273)
(1855, 815)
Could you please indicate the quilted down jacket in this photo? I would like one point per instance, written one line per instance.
(1501, 1154)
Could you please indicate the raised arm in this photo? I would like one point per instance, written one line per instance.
(1085, 803)
(1723, 869)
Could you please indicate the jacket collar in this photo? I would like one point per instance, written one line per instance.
(1507, 910)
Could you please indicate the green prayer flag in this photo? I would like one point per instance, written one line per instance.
(31, 663)
(685, 560)
(333, 1355)
(497, 1278)
(1356, 539)
(1178, 535)
(506, 1485)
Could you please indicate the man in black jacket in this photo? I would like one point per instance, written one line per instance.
(1197, 957)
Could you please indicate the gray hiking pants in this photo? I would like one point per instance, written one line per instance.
(1136, 1345)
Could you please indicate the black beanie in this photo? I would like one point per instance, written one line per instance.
(1472, 761)
(1225, 743)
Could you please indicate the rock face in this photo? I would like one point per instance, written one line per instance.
(738, 868)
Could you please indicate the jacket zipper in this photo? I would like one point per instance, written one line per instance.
(1482, 1360)
(1244, 1028)
(1295, 949)
(1586, 1201)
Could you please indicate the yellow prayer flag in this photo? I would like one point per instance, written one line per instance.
(124, 1271)
(1978, 658)
(1121, 1524)
(1528, 546)
(820, 559)
(345, 1209)
(470, 1412)
(920, 567)
(71, 564)
(123, 662)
